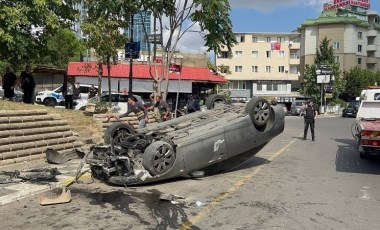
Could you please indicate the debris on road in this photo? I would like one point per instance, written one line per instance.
(65, 197)
(54, 157)
(170, 197)
(42, 174)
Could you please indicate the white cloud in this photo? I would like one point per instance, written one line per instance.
(271, 5)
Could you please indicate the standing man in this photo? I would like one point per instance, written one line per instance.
(68, 90)
(92, 91)
(190, 104)
(9, 82)
(310, 115)
(138, 109)
(28, 84)
(77, 91)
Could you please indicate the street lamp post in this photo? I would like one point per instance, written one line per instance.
(131, 59)
(179, 86)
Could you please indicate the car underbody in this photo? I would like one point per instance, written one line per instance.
(201, 141)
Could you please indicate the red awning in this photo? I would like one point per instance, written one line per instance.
(196, 74)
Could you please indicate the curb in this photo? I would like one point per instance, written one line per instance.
(25, 190)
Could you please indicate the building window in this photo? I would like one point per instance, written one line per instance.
(238, 69)
(336, 45)
(268, 69)
(255, 54)
(280, 39)
(254, 39)
(281, 54)
(240, 38)
(359, 61)
(269, 40)
(281, 69)
(224, 69)
(238, 85)
(238, 54)
(224, 54)
(272, 87)
(360, 35)
(255, 69)
(336, 58)
(259, 87)
(359, 48)
(269, 54)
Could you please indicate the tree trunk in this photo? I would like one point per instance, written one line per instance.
(100, 74)
(109, 81)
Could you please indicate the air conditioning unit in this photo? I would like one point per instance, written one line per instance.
(290, 42)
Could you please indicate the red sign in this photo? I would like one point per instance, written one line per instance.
(276, 46)
(342, 3)
(175, 68)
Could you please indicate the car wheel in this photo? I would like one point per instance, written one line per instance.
(117, 132)
(214, 99)
(158, 157)
(260, 111)
(50, 102)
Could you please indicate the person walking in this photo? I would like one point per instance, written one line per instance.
(309, 119)
(137, 108)
(9, 82)
(27, 85)
(68, 91)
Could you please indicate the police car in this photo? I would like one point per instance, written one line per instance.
(55, 97)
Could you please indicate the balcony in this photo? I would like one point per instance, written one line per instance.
(294, 45)
(371, 48)
(294, 61)
(372, 60)
(372, 33)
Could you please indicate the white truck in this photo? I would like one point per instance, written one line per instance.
(366, 128)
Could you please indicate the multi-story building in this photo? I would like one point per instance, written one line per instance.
(262, 64)
(142, 26)
(353, 31)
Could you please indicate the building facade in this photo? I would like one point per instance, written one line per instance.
(262, 64)
(353, 31)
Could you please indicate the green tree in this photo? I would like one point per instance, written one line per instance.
(357, 79)
(102, 27)
(212, 16)
(62, 48)
(26, 25)
(324, 56)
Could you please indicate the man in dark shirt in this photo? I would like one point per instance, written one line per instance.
(9, 83)
(310, 115)
(69, 92)
(138, 109)
(162, 107)
(27, 85)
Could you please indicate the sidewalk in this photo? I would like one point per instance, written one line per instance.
(19, 190)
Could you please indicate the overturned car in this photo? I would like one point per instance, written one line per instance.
(210, 141)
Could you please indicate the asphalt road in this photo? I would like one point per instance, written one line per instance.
(289, 184)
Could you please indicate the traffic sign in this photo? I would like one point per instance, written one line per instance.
(132, 51)
(154, 38)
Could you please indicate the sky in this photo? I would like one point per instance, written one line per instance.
(266, 16)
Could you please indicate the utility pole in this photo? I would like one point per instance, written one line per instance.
(131, 50)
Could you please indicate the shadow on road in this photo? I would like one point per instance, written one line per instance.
(348, 160)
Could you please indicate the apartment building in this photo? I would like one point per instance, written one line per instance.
(262, 64)
(353, 31)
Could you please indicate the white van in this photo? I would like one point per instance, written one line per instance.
(55, 97)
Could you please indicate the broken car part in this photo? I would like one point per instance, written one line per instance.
(65, 197)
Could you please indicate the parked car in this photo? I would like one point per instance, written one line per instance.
(119, 101)
(351, 109)
(285, 108)
(216, 140)
(55, 96)
(297, 108)
(18, 94)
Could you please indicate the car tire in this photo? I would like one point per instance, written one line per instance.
(260, 111)
(213, 99)
(117, 132)
(50, 102)
(158, 157)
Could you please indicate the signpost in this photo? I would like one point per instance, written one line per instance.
(324, 76)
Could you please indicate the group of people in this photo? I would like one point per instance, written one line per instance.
(25, 82)
(72, 91)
